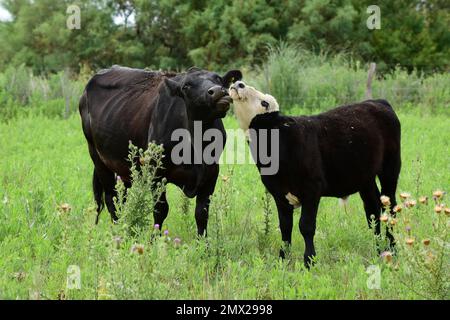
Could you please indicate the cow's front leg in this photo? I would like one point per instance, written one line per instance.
(161, 210)
(203, 201)
(308, 228)
(202, 214)
(285, 216)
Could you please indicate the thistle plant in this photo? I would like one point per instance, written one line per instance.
(145, 191)
(423, 257)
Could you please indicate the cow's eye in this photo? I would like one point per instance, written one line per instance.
(186, 87)
(265, 104)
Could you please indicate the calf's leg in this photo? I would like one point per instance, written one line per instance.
(370, 196)
(285, 216)
(308, 228)
(388, 181)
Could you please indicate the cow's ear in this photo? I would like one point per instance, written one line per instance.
(174, 87)
(231, 76)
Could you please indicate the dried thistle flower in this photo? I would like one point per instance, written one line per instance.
(438, 208)
(438, 194)
(426, 242)
(410, 241)
(405, 195)
(386, 256)
(423, 200)
(384, 218)
(137, 248)
(385, 201)
(410, 203)
(397, 209)
(64, 208)
(447, 211)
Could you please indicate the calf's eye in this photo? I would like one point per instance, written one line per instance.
(265, 104)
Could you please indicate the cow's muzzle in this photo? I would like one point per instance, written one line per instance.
(220, 98)
(223, 104)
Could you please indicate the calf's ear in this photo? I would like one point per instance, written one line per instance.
(174, 87)
(231, 76)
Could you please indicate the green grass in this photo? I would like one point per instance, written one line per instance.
(45, 162)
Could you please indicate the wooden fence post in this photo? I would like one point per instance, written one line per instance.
(372, 68)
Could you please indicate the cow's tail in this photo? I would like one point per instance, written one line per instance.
(98, 194)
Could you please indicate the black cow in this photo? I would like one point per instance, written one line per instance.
(333, 154)
(123, 104)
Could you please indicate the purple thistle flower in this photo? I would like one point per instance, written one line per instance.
(156, 226)
(177, 241)
(166, 232)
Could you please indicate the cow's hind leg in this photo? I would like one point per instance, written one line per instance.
(107, 180)
(103, 182)
(388, 180)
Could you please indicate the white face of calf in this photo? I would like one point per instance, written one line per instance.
(249, 102)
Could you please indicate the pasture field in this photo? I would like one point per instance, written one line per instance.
(44, 163)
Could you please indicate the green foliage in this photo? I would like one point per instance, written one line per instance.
(174, 34)
(146, 189)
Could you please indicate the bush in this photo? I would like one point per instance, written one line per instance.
(296, 77)
(21, 92)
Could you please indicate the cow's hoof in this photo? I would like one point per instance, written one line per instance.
(285, 253)
(309, 261)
